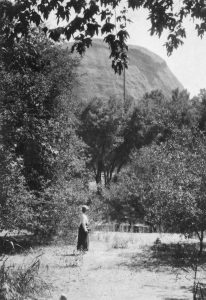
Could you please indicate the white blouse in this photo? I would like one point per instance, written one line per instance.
(84, 221)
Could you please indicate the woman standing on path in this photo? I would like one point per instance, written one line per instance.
(83, 234)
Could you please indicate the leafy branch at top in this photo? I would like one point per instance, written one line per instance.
(84, 19)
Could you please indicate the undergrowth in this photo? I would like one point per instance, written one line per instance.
(22, 282)
(119, 243)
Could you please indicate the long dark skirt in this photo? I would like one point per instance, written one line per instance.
(83, 239)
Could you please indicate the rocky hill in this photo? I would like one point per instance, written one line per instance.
(146, 72)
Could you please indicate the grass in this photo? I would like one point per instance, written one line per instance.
(119, 243)
(124, 240)
(21, 282)
(71, 260)
(111, 253)
(136, 240)
(161, 253)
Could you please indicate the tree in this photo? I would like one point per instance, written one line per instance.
(152, 126)
(123, 199)
(182, 110)
(93, 16)
(160, 116)
(43, 162)
(147, 122)
(173, 183)
(154, 118)
(33, 97)
(101, 129)
(200, 103)
(112, 133)
(15, 213)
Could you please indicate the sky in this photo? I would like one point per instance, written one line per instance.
(188, 62)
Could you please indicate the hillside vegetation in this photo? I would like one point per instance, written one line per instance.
(146, 72)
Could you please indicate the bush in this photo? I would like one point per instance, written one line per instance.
(41, 156)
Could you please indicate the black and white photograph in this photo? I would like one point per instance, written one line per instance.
(102, 149)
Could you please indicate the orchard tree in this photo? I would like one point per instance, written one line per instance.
(123, 198)
(172, 177)
(165, 185)
(82, 20)
(155, 117)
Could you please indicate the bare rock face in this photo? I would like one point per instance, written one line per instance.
(146, 72)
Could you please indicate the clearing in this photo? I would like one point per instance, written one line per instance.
(117, 267)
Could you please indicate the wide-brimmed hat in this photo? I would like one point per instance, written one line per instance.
(85, 207)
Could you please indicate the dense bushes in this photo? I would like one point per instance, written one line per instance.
(43, 160)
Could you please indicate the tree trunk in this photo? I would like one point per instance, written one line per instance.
(201, 237)
(98, 176)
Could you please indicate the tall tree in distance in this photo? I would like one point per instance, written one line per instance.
(112, 133)
(101, 129)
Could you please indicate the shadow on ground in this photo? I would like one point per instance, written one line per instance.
(168, 258)
(165, 256)
(21, 243)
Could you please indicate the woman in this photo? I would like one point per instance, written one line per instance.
(83, 234)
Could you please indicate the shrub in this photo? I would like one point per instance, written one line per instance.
(41, 156)
(21, 283)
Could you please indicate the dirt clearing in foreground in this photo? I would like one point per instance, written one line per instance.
(117, 267)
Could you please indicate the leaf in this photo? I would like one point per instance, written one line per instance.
(60, 13)
(92, 29)
(45, 29)
(90, 12)
(105, 13)
(77, 24)
(35, 17)
(107, 27)
(55, 34)
(109, 39)
(135, 4)
(123, 35)
(81, 44)
(78, 5)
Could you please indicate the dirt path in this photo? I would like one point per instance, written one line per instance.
(109, 272)
(106, 273)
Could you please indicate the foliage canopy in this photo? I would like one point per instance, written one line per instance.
(40, 150)
(83, 19)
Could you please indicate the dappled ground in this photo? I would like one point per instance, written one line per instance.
(119, 266)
